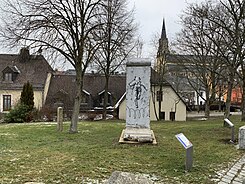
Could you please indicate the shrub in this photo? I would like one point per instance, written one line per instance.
(27, 96)
(21, 113)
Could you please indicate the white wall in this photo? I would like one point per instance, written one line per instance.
(15, 97)
(171, 103)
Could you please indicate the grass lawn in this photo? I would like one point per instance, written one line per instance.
(37, 152)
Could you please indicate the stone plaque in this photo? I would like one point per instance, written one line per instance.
(138, 94)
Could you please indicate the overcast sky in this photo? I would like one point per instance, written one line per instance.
(149, 14)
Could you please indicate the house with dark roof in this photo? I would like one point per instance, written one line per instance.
(61, 91)
(15, 71)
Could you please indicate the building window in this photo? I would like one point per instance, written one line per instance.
(101, 97)
(102, 100)
(159, 96)
(172, 116)
(6, 102)
(162, 116)
(84, 99)
(8, 77)
(201, 94)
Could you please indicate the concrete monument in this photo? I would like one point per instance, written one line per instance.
(138, 102)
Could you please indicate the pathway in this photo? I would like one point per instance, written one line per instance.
(236, 174)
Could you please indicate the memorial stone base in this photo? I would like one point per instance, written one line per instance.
(241, 138)
(137, 135)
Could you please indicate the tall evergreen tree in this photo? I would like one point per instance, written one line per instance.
(27, 95)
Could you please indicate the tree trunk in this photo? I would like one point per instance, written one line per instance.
(207, 104)
(207, 109)
(105, 97)
(243, 101)
(228, 99)
(153, 96)
(198, 102)
(77, 102)
(160, 102)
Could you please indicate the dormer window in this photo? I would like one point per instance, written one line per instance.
(10, 73)
(8, 77)
(85, 97)
(101, 97)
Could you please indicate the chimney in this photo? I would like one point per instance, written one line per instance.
(24, 55)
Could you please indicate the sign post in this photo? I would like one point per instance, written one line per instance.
(231, 125)
(189, 150)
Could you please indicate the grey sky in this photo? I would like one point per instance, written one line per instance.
(149, 14)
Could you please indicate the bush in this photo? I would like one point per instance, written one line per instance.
(27, 95)
(21, 113)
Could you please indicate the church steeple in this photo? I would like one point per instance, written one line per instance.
(163, 35)
(163, 42)
(162, 49)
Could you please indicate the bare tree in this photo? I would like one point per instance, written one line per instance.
(228, 16)
(117, 36)
(139, 47)
(61, 26)
(204, 62)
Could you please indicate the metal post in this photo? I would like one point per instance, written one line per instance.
(189, 158)
(232, 134)
(228, 123)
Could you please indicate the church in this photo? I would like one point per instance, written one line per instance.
(172, 67)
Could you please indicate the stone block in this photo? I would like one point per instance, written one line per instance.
(241, 138)
(137, 135)
(118, 177)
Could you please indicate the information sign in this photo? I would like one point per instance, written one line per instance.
(183, 140)
(189, 150)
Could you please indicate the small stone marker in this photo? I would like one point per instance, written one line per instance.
(138, 103)
(189, 150)
(60, 119)
(241, 138)
(118, 177)
(231, 125)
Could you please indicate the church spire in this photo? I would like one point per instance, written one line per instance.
(163, 49)
(163, 42)
(163, 35)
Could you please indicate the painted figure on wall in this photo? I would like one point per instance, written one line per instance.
(137, 89)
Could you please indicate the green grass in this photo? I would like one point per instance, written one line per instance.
(37, 152)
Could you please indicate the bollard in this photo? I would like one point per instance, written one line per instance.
(60, 119)
(231, 125)
(189, 158)
(241, 138)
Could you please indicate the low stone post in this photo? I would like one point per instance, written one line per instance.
(60, 119)
(241, 138)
